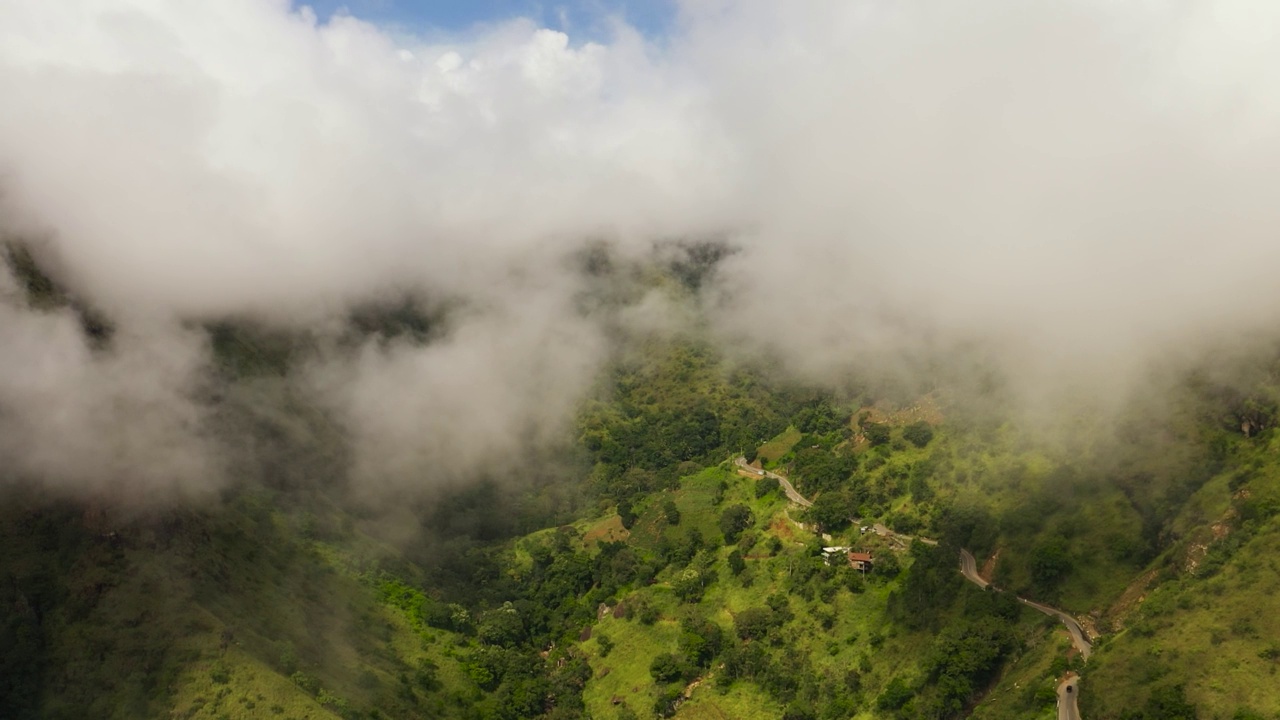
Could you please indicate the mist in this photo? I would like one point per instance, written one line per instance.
(1080, 190)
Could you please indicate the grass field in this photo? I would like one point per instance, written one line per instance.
(773, 450)
(740, 702)
(624, 673)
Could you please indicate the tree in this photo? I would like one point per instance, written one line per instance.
(689, 585)
(830, 511)
(765, 485)
(1169, 703)
(820, 469)
(671, 512)
(638, 480)
(780, 603)
(918, 433)
(877, 433)
(667, 667)
(736, 563)
(895, 695)
(642, 609)
(734, 520)
(755, 623)
(700, 640)
(887, 565)
(626, 513)
(1050, 562)
(821, 417)
(501, 626)
(919, 487)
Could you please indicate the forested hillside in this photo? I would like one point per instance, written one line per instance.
(609, 359)
(637, 570)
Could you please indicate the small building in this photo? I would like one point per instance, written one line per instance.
(830, 552)
(861, 561)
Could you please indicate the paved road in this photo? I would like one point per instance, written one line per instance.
(1068, 691)
(1080, 639)
(1078, 636)
(799, 499)
(1069, 688)
(905, 540)
(787, 487)
(969, 568)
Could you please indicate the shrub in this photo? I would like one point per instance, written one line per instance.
(734, 520)
(765, 485)
(626, 513)
(918, 433)
(644, 611)
(305, 681)
(895, 695)
(667, 702)
(667, 667)
(605, 643)
(877, 433)
(671, 512)
(220, 674)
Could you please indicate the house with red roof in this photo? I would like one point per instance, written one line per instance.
(861, 561)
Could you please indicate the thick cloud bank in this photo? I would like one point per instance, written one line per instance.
(1085, 186)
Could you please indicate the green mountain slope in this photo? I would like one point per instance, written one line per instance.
(638, 571)
(233, 612)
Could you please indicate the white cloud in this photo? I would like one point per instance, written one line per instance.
(1090, 182)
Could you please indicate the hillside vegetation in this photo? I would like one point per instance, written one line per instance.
(639, 572)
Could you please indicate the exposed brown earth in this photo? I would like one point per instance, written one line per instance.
(988, 570)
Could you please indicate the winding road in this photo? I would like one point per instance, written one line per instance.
(969, 568)
(1068, 689)
(1079, 638)
(787, 487)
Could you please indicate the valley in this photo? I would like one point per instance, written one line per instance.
(640, 573)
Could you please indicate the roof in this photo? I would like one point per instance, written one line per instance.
(860, 557)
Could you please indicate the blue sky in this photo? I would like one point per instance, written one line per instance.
(585, 17)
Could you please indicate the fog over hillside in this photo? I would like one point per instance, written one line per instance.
(1081, 189)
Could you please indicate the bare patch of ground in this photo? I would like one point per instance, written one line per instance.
(988, 570)
(1129, 601)
(607, 530)
(781, 526)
